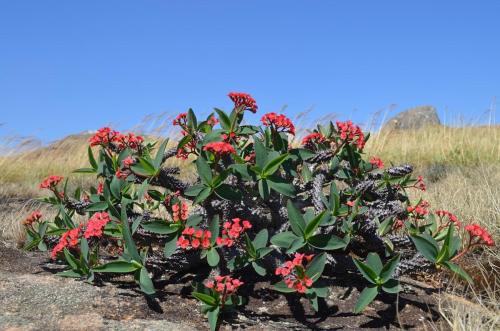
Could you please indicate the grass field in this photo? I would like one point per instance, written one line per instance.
(461, 167)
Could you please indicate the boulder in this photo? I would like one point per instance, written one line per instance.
(414, 118)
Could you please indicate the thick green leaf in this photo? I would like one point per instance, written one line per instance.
(84, 249)
(366, 271)
(296, 245)
(226, 192)
(281, 186)
(264, 189)
(365, 298)
(295, 218)
(389, 268)
(283, 239)
(204, 171)
(72, 261)
(194, 220)
(214, 228)
(313, 225)
(260, 153)
(250, 247)
(192, 123)
(374, 262)
(205, 193)
(118, 267)
(194, 190)
(327, 242)
(205, 298)
(160, 154)
(70, 274)
(213, 318)
(426, 247)
(127, 235)
(92, 160)
(260, 239)
(459, 271)
(273, 165)
(170, 245)
(145, 282)
(116, 187)
(160, 227)
(259, 269)
(316, 267)
(97, 206)
(213, 257)
(391, 286)
(282, 287)
(224, 120)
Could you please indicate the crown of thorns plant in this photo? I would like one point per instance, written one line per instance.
(288, 213)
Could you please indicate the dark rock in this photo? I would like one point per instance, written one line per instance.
(414, 118)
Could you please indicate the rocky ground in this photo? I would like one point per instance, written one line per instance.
(33, 298)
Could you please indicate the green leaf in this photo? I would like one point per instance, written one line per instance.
(249, 246)
(389, 268)
(118, 267)
(204, 171)
(374, 262)
(170, 245)
(205, 298)
(224, 120)
(92, 161)
(213, 257)
(205, 193)
(191, 119)
(459, 271)
(391, 286)
(145, 282)
(365, 298)
(313, 225)
(213, 318)
(116, 187)
(283, 239)
(160, 154)
(160, 227)
(366, 271)
(259, 269)
(193, 220)
(327, 242)
(127, 235)
(281, 186)
(84, 249)
(84, 171)
(260, 239)
(194, 190)
(72, 261)
(264, 190)
(226, 192)
(260, 153)
(316, 267)
(97, 206)
(295, 218)
(281, 287)
(321, 292)
(214, 228)
(426, 247)
(296, 245)
(314, 303)
(273, 165)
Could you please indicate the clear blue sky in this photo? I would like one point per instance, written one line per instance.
(68, 66)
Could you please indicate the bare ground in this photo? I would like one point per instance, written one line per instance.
(33, 298)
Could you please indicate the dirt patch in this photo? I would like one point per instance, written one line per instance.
(33, 298)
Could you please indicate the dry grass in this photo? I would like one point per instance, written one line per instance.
(462, 167)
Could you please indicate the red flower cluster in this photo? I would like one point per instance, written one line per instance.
(34, 217)
(180, 120)
(96, 224)
(183, 153)
(224, 285)
(476, 231)
(232, 231)
(377, 162)
(294, 273)
(229, 137)
(128, 161)
(51, 182)
(219, 148)
(279, 122)
(68, 239)
(194, 238)
(349, 132)
(315, 137)
(180, 211)
(106, 136)
(121, 174)
(212, 121)
(451, 217)
(243, 100)
(250, 157)
(100, 188)
(420, 184)
(419, 210)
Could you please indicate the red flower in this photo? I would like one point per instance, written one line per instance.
(224, 285)
(232, 231)
(100, 188)
(103, 137)
(68, 239)
(120, 174)
(350, 203)
(244, 100)
(180, 211)
(128, 161)
(183, 153)
(310, 139)
(420, 184)
(350, 133)
(482, 236)
(50, 182)
(212, 121)
(377, 162)
(419, 210)
(180, 120)
(280, 123)
(96, 225)
(294, 273)
(194, 239)
(32, 218)
(219, 148)
(451, 217)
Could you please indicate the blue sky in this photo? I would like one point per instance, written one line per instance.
(68, 66)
